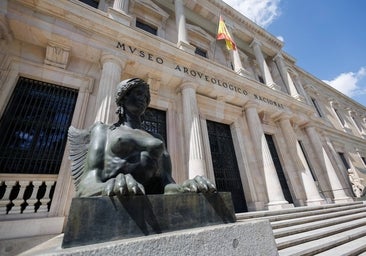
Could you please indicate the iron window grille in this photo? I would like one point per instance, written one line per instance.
(34, 127)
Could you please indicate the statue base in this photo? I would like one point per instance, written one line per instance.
(102, 219)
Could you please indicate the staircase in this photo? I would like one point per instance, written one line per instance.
(334, 229)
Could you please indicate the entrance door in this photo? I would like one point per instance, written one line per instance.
(278, 166)
(226, 171)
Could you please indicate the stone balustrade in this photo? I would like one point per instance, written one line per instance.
(25, 193)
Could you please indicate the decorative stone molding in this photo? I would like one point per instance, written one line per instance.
(154, 83)
(57, 55)
(356, 182)
(200, 38)
(150, 13)
(5, 33)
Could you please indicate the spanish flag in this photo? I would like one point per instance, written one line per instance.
(223, 33)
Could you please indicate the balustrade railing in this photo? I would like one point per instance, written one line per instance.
(21, 194)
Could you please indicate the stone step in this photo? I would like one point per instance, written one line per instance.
(325, 243)
(289, 213)
(304, 237)
(355, 247)
(315, 216)
(295, 229)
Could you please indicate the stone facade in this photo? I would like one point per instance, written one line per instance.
(258, 91)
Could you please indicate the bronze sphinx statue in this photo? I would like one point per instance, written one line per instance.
(123, 159)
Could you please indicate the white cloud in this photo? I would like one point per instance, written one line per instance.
(262, 12)
(349, 83)
(280, 38)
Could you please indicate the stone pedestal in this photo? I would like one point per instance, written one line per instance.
(102, 219)
(253, 237)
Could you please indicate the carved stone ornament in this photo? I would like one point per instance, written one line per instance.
(57, 55)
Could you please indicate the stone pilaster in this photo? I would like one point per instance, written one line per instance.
(337, 189)
(121, 5)
(238, 67)
(111, 76)
(275, 195)
(298, 158)
(263, 65)
(119, 12)
(193, 131)
(180, 21)
(286, 77)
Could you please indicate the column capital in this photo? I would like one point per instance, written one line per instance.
(187, 85)
(278, 56)
(255, 42)
(109, 57)
(282, 116)
(250, 104)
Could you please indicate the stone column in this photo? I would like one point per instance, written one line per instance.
(180, 21)
(265, 163)
(311, 191)
(337, 189)
(300, 86)
(263, 65)
(111, 76)
(193, 131)
(121, 5)
(238, 67)
(119, 12)
(286, 77)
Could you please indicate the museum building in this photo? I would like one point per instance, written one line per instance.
(248, 118)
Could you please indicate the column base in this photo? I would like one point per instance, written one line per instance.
(279, 205)
(343, 200)
(315, 202)
(119, 16)
(299, 97)
(256, 206)
(242, 72)
(186, 47)
(274, 86)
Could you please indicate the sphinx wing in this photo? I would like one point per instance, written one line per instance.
(79, 141)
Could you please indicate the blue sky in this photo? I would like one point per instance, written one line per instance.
(326, 37)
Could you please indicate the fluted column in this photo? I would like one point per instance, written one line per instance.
(121, 5)
(274, 191)
(263, 65)
(193, 131)
(238, 67)
(287, 78)
(300, 87)
(180, 21)
(111, 76)
(297, 155)
(337, 189)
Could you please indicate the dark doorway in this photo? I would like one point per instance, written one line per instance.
(278, 166)
(226, 171)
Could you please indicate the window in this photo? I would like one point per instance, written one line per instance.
(201, 52)
(340, 118)
(344, 160)
(146, 27)
(34, 127)
(315, 103)
(356, 123)
(260, 78)
(154, 121)
(363, 159)
(92, 3)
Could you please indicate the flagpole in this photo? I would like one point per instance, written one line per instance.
(218, 23)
